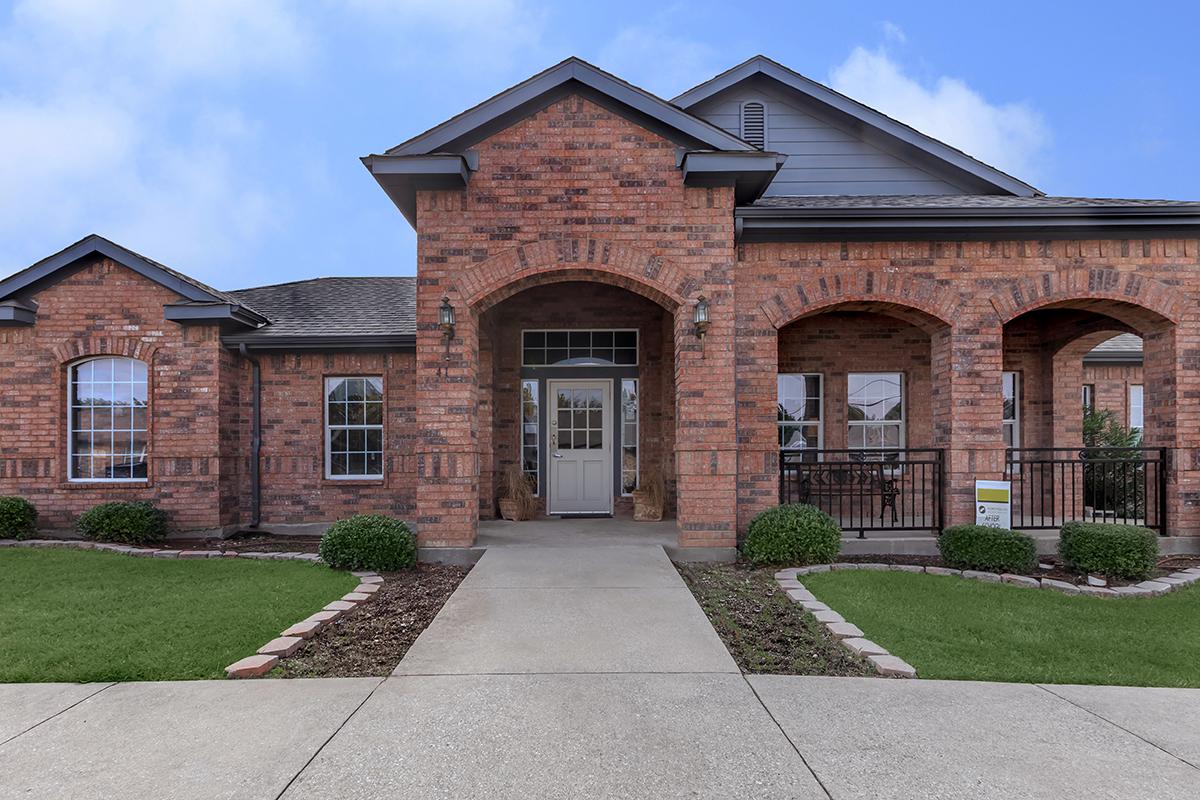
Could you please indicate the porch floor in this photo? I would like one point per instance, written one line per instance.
(595, 532)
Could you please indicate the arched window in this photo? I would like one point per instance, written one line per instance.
(108, 422)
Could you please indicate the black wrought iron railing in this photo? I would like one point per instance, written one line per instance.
(864, 490)
(1122, 485)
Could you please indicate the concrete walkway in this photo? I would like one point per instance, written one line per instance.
(560, 672)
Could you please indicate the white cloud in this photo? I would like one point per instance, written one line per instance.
(110, 123)
(657, 61)
(894, 33)
(1010, 136)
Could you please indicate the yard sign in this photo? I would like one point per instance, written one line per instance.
(993, 504)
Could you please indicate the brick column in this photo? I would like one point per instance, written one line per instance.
(1168, 376)
(705, 426)
(447, 449)
(967, 407)
(757, 374)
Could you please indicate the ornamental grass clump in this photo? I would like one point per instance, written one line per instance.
(369, 541)
(792, 534)
(18, 518)
(987, 549)
(1117, 551)
(137, 523)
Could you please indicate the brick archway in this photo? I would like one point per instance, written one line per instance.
(865, 290)
(98, 346)
(562, 260)
(1093, 290)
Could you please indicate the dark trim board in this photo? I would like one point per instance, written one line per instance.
(319, 343)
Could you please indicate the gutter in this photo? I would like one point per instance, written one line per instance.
(255, 436)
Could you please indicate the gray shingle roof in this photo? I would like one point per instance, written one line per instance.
(957, 201)
(351, 307)
(1123, 343)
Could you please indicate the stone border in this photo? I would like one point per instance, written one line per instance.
(288, 641)
(852, 637)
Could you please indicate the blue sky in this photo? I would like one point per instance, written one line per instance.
(222, 137)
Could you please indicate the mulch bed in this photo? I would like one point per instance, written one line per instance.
(371, 640)
(762, 628)
(1166, 565)
(255, 543)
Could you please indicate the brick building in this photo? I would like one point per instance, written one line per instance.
(760, 288)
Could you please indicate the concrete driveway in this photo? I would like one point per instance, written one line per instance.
(583, 673)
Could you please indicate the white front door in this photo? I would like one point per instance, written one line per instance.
(581, 475)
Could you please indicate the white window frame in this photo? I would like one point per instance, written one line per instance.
(637, 435)
(1015, 422)
(536, 402)
(901, 423)
(1089, 395)
(819, 422)
(72, 371)
(1140, 405)
(637, 347)
(328, 384)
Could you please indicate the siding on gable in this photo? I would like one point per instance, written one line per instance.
(823, 157)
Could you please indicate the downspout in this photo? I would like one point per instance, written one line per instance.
(255, 435)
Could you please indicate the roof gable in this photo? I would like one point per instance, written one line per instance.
(574, 74)
(907, 154)
(199, 302)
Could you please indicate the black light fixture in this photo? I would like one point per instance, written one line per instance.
(446, 317)
(700, 316)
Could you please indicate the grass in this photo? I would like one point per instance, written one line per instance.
(953, 628)
(91, 616)
(764, 631)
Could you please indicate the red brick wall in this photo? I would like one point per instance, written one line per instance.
(577, 306)
(1112, 382)
(294, 486)
(101, 309)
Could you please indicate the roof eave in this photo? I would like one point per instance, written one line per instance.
(1124, 358)
(13, 316)
(402, 176)
(318, 342)
(213, 313)
(750, 173)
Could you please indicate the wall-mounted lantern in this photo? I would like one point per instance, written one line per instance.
(700, 317)
(446, 318)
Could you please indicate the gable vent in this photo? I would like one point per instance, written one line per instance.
(754, 123)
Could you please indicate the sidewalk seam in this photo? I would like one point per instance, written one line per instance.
(1103, 718)
(328, 739)
(803, 760)
(57, 713)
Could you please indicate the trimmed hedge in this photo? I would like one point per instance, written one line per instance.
(1118, 551)
(988, 549)
(792, 534)
(369, 541)
(129, 523)
(18, 518)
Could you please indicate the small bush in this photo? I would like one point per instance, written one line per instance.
(369, 541)
(129, 523)
(18, 518)
(792, 534)
(1118, 551)
(988, 549)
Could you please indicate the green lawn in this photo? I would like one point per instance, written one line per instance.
(69, 615)
(949, 627)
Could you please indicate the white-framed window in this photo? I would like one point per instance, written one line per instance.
(875, 413)
(1136, 407)
(1012, 409)
(801, 414)
(531, 451)
(353, 427)
(629, 435)
(108, 432)
(570, 348)
(1089, 396)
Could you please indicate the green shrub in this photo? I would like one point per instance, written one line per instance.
(18, 518)
(988, 549)
(369, 541)
(130, 523)
(792, 534)
(1118, 551)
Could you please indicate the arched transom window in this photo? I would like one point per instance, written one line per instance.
(108, 422)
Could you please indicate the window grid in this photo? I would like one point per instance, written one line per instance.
(353, 428)
(801, 411)
(530, 441)
(566, 348)
(1012, 409)
(1136, 406)
(875, 413)
(630, 421)
(108, 421)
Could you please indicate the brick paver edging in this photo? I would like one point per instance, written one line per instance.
(288, 641)
(885, 663)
